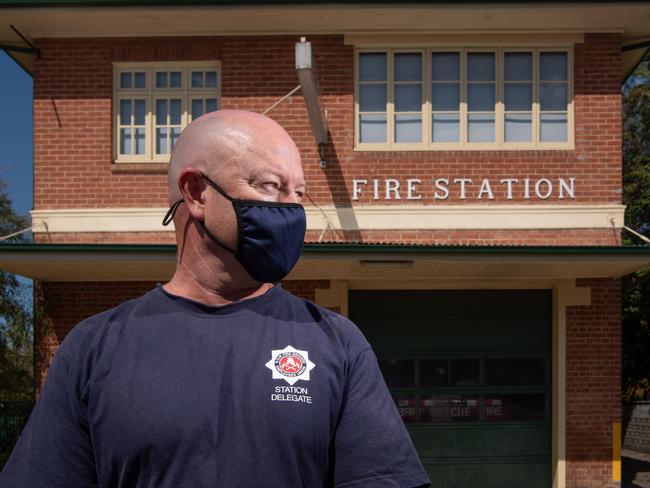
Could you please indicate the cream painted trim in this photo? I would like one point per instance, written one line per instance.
(462, 284)
(102, 220)
(459, 217)
(379, 217)
(578, 296)
(558, 443)
(334, 296)
(464, 39)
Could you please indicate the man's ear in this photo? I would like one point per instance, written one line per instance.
(192, 188)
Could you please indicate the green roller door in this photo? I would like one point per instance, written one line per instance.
(470, 372)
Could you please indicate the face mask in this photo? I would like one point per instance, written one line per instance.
(270, 235)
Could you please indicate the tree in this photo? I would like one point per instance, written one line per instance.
(16, 329)
(636, 197)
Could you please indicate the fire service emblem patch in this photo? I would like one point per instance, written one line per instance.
(290, 364)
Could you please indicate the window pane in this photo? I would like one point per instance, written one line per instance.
(519, 127)
(519, 66)
(515, 371)
(372, 98)
(175, 79)
(480, 67)
(139, 112)
(480, 128)
(408, 128)
(553, 66)
(372, 67)
(518, 96)
(553, 128)
(210, 79)
(553, 96)
(445, 96)
(161, 112)
(161, 141)
(197, 108)
(372, 128)
(125, 141)
(408, 67)
(433, 372)
(175, 134)
(408, 98)
(125, 112)
(211, 105)
(480, 97)
(464, 372)
(445, 66)
(125, 80)
(175, 111)
(161, 79)
(139, 80)
(514, 407)
(139, 141)
(446, 128)
(398, 372)
(197, 79)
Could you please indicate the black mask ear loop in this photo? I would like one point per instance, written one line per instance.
(169, 216)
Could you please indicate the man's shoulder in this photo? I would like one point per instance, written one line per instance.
(304, 310)
(85, 335)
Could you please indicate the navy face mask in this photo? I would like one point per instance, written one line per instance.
(270, 235)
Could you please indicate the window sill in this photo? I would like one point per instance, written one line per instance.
(139, 167)
(469, 148)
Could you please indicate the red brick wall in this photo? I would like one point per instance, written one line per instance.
(593, 384)
(72, 117)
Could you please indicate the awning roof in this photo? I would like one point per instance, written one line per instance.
(148, 18)
(124, 262)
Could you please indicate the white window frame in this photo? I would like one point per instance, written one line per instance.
(463, 145)
(150, 94)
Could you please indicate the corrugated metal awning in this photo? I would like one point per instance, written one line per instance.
(124, 262)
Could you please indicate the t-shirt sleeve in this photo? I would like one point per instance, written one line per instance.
(54, 449)
(372, 446)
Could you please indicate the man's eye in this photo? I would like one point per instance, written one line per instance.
(270, 185)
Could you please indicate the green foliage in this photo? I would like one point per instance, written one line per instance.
(636, 196)
(16, 328)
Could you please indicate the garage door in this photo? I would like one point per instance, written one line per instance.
(470, 372)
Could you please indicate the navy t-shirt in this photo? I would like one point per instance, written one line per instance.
(161, 391)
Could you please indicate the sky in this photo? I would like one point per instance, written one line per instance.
(16, 140)
(16, 131)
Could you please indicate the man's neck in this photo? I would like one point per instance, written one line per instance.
(186, 284)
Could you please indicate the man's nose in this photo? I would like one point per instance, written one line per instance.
(289, 197)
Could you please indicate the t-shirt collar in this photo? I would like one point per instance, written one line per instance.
(193, 307)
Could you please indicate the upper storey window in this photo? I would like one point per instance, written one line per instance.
(154, 102)
(497, 98)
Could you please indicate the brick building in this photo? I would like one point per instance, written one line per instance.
(465, 209)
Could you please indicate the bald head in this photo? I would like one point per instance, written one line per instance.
(217, 141)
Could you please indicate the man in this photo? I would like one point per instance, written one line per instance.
(219, 378)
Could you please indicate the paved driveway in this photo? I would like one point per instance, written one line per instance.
(635, 468)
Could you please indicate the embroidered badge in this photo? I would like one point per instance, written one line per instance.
(290, 364)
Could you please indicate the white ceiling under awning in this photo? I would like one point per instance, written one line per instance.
(631, 19)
